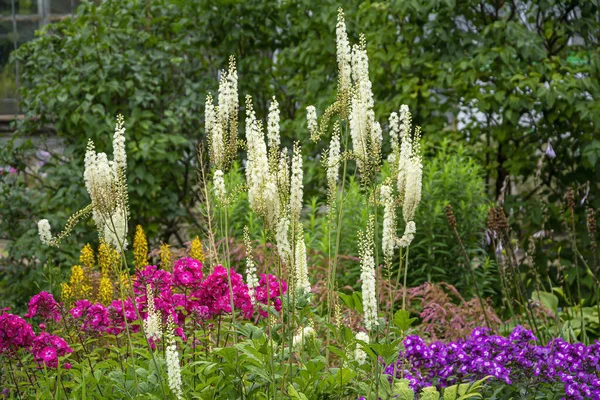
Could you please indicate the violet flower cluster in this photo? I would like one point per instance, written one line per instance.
(512, 360)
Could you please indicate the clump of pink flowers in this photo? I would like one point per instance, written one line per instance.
(44, 305)
(184, 294)
(19, 335)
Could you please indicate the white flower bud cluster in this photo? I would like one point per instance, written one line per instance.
(333, 161)
(251, 278)
(273, 125)
(313, 124)
(263, 192)
(343, 53)
(365, 131)
(106, 184)
(388, 241)
(359, 354)
(172, 358)
(221, 121)
(219, 186)
(367, 276)
(296, 185)
(301, 282)
(45, 232)
(153, 321)
(302, 335)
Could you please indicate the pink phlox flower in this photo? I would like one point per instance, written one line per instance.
(116, 318)
(47, 348)
(97, 318)
(159, 279)
(274, 292)
(44, 305)
(80, 307)
(15, 333)
(214, 293)
(187, 273)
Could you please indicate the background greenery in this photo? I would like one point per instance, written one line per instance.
(501, 79)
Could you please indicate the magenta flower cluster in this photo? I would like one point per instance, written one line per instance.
(512, 360)
(183, 294)
(17, 335)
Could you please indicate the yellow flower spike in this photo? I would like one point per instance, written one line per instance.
(124, 281)
(196, 251)
(108, 259)
(86, 257)
(66, 293)
(104, 257)
(140, 248)
(86, 291)
(77, 275)
(166, 257)
(105, 290)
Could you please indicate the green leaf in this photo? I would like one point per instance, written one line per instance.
(402, 320)
(548, 300)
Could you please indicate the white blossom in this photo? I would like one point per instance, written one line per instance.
(263, 193)
(273, 125)
(302, 334)
(172, 359)
(45, 232)
(296, 185)
(409, 234)
(364, 130)
(283, 174)
(120, 155)
(333, 161)
(300, 267)
(414, 175)
(367, 276)
(405, 148)
(115, 229)
(251, 278)
(282, 239)
(257, 166)
(219, 182)
(343, 53)
(152, 323)
(228, 93)
(388, 241)
(359, 354)
(311, 120)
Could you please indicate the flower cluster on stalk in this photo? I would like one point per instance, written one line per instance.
(106, 185)
(512, 360)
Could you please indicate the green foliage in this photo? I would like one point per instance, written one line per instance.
(451, 176)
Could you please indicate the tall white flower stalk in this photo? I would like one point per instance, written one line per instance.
(263, 193)
(251, 278)
(343, 55)
(221, 121)
(273, 126)
(360, 355)
(153, 321)
(296, 185)
(106, 185)
(172, 358)
(312, 123)
(388, 241)
(301, 282)
(333, 163)
(367, 275)
(219, 186)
